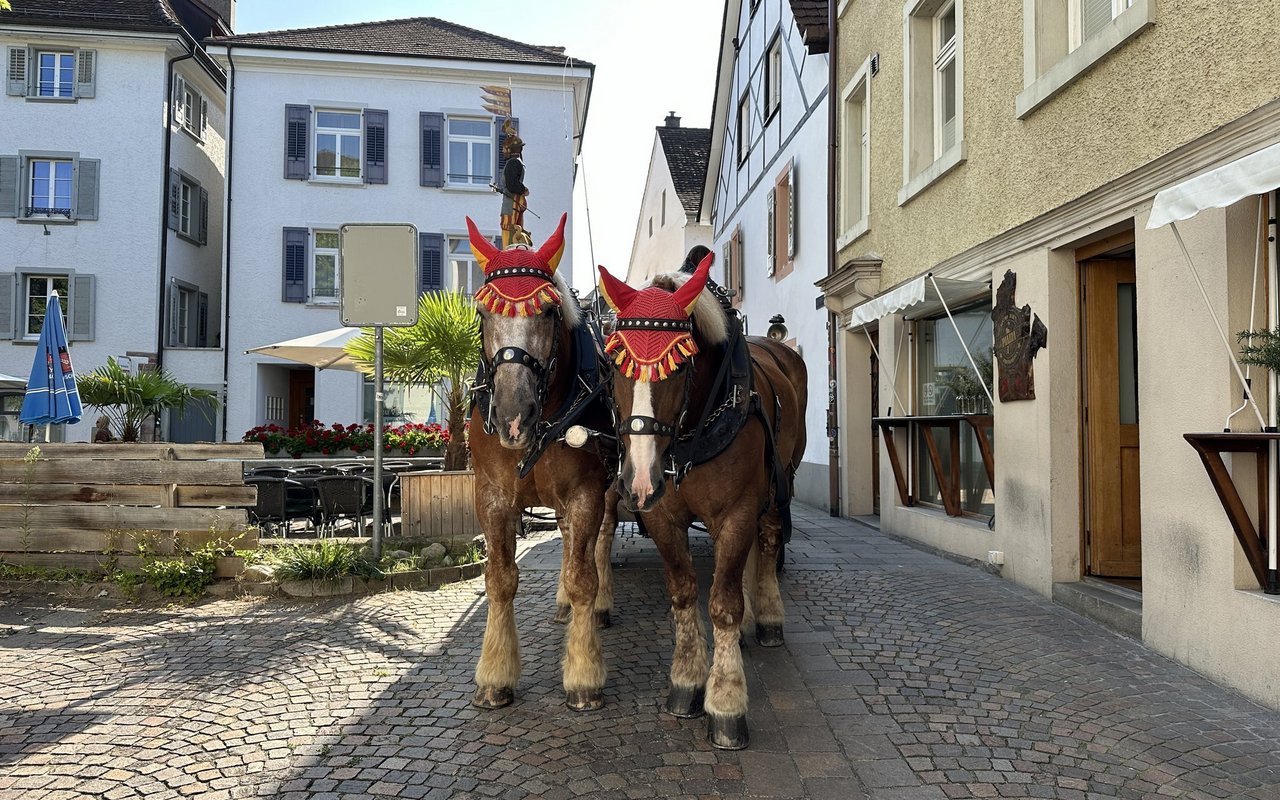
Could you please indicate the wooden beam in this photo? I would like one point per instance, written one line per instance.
(212, 473)
(89, 562)
(890, 445)
(1237, 513)
(949, 501)
(118, 518)
(135, 451)
(163, 543)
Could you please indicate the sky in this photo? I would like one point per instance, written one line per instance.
(651, 57)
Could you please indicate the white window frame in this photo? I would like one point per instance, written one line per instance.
(1051, 62)
(58, 85)
(460, 265)
(316, 252)
(859, 129)
(339, 135)
(1075, 19)
(944, 56)
(744, 127)
(188, 313)
(773, 77)
(28, 192)
(467, 180)
(186, 205)
(923, 160)
(64, 298)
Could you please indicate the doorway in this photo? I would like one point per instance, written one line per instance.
(1109, 373)
(874, 366)
(302, 396)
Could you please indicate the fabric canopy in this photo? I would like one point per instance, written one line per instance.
(322, 350)
(52, 397)
(1254, 174)
(12, 382)
(919, 291)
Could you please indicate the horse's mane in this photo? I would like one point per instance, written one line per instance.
(708, 314)
(568, 303)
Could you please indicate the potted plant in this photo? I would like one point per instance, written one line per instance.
(128, 399)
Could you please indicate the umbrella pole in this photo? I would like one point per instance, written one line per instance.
(377, 443)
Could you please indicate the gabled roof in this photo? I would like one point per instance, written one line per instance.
(423, 37)
(811, 19)
(687, 151)
(133, 15)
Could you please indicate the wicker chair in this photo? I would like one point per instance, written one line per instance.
(280, 501)
(343, 496)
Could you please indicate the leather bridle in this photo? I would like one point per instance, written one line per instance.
(510, 354)
(638, 425)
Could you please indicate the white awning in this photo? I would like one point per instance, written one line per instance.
(1254, 174)
(919, 291)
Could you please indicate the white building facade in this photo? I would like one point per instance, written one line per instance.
(399, 127)
(668, 225)
(765, 195)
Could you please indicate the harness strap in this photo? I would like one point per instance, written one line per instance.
(517, 355)
(647, 426)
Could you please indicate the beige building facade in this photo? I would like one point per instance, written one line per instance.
(978, 138)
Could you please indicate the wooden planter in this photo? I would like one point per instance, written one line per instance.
(438, 505)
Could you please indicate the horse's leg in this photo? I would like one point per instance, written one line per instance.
(768, 599)
(689, 666)
(604, 568)
(583, 666)
(726, 701)
(499, 667)
(562, 598)
(749, 593)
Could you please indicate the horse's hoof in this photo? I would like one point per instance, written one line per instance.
(685, 702)
(602, 619)
(493, 696)
(728, 733)
(562, 614)
(769, 635)
(584, 699)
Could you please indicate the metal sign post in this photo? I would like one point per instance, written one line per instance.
(378, 276)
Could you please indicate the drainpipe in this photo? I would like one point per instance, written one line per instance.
(164, 212)
(833, 322)
(226, 239)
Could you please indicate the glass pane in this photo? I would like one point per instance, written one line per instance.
(477, 277)
(350, 156)
(460, 247)
(326, 276)
(947, 27)
(67, 70)
(326, 240)
(326, 154)
(334, 119)
(470, 127)
(459, 169)
(481, 161)
(62, 185)
(1127, 336)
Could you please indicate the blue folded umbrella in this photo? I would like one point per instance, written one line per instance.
(52, 396)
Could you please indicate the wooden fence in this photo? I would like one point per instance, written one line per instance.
(91, 506)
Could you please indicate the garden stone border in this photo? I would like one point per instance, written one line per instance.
(351, 585)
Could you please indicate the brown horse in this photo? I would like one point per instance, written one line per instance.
(677, 384)
(536, 365)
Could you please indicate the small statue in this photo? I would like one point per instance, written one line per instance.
(514, 193)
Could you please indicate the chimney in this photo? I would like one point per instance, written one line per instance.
(672, 120)
(226, 9)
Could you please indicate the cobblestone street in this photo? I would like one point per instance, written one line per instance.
(904, 676)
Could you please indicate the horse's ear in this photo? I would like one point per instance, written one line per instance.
(481, 247)
(553, 248)
(616, 293)
(687, 296)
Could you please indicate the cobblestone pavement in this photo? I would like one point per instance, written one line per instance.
(904, 676)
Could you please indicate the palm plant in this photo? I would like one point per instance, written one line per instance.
(127, 399)
(440, 353)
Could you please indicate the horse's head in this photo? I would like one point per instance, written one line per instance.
(651, 347)
(521, 314)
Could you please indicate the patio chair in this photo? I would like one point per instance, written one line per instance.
(343, 496)
(280, 501)
(270, 472)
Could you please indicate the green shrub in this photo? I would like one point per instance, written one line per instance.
(325, 559)
(182, 577)
(474, 553)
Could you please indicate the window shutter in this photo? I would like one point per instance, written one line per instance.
(432, 148)
(86, 72)
(202, 322)
(87, 188)
(175, 311)
(9, 202)
(739, 282)
(501, 137)
(179, 88)
(295, 265)
(204, 216)
(793, 232)
(297, 162)
(431, 272)
(204, 116)
(8, 282)
(770, 248)
(375, 146)
(175, 199)
(17, 71)
(80, 309)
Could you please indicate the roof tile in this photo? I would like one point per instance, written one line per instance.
(811, 19)
(136, 15)
(687, 151)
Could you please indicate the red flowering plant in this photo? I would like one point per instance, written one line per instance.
(318, 439)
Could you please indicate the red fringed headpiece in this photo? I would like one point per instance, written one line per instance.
(518, 281)
(655, 334)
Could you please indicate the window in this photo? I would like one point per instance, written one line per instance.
(781, 227)
(36, 289)
(338, 144)
(744, 126)
(46, 187)
(470, 152)
(663, 221)
(324, 267)
(933, 97)
(946, 384)
(55, 76)
(465, 274)
(24, 296)
(773, 78)
(50, 189)
(732, 256)
(1087, 18)
(188, 208)
(184, 215)
(188, 315)
(190, 108)
(855, 158)
(47, 74)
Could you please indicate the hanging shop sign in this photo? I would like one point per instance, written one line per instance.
(1019, 335)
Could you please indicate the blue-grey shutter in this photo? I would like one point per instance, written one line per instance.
(431, 262)
(17, 71)
(204, 117)
(500, 139)
(297, 162)
(9, 186)
(8, 281)
(80, 311)
(375, 146)
(204, 216)
(432, 156)
(86, 72)
(175, 312)
(202, 321)
(295, 265)
(175, 199)
(87, 188)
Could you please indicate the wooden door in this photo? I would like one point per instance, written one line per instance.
(302, 396)
(1113, 523)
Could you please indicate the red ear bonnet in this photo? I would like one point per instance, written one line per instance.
(655, 332)
(518, 281)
